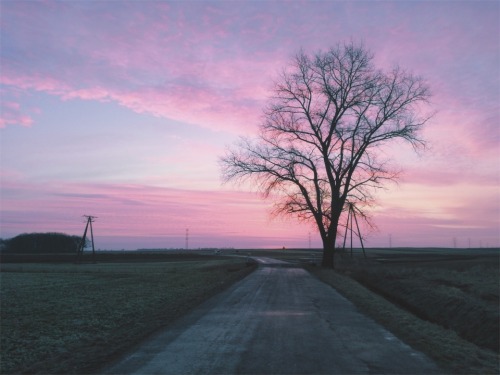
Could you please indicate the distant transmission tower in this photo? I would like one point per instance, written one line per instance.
(187, 238)
(90, 219)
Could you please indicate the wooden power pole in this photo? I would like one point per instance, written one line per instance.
(90, 220)
(350, 215)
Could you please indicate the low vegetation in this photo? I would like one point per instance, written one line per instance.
(41, 243)
(447, 308)
(67, 318)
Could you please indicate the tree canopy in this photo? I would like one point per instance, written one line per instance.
(318, 149)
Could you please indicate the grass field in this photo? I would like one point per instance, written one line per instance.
(66, 318)
(444, 304)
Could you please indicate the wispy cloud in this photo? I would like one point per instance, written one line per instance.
(142, 211)
(13, 115)
(161, 61)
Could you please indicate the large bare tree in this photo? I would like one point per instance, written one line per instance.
(320, 142)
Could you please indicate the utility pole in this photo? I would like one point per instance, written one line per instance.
(390, 241)
(187, 238)
(309, 240)
(350, 215)
(90, 219)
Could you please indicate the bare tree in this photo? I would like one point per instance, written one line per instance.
(321, 136)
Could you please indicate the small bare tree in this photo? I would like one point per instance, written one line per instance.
(320, 140)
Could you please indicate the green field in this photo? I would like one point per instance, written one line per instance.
(67, 318)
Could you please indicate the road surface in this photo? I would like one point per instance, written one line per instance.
(278, 320)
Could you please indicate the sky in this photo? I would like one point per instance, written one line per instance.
(122, 110)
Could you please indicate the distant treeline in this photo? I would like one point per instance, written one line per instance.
(41, 243)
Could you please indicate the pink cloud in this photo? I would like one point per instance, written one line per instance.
(160, 62)
(467, 131)
(431, 214)
(439, 175)
(150, 216)
(145, 211)
(12, 114)
(206, 64)
(406, 228)
(211, 107)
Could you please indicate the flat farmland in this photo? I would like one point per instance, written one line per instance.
(444, 302)
(67, 318)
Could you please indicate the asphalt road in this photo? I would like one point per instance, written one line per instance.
(278, 320)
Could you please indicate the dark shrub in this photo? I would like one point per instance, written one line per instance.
(42, 243)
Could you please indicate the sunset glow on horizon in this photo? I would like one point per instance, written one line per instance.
(121, 110)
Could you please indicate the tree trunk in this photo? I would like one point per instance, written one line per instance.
(328, 253)
(329, 243)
